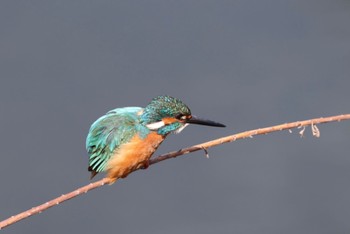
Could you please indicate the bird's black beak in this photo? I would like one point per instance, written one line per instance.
(196, 120)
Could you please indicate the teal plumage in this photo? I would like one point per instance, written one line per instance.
(125, 138)
(164, 106)
(110, 131)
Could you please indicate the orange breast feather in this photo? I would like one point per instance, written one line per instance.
(132, 155)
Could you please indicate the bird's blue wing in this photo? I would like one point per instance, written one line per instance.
(107, 133)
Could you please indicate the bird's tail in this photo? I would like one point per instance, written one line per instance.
(93, 172)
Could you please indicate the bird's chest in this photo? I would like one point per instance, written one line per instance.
(133, 155)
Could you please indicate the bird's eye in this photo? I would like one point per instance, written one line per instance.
(181, 117)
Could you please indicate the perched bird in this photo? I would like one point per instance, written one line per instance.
(124, 139)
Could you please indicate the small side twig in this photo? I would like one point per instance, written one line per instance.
(174, 154)
(206, 152)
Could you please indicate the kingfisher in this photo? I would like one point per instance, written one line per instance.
(124, 139)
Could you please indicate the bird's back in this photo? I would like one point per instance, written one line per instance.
(109, 132)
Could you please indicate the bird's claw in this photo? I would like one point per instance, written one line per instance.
(145, 165)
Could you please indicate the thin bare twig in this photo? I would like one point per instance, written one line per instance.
(174, 154)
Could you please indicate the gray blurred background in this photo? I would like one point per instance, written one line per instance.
(247, 64)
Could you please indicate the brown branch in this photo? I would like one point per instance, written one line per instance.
(174, 154)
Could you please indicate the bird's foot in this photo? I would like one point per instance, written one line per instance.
(145, 165)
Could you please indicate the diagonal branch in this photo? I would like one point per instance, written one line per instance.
(174, 154)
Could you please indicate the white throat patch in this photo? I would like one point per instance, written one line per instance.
(180, 129)
(156, 125)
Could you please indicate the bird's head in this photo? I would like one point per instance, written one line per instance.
(166, 114)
